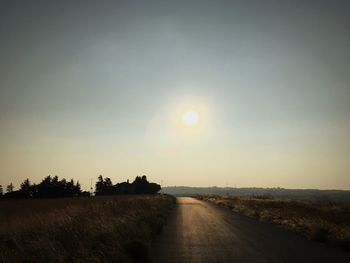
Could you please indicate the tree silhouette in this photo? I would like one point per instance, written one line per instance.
(139, 186)
(99, 185)
(1, 190)
(49, 187)
(52, 187)
(104, 186)
(26, 188)
(10, 188)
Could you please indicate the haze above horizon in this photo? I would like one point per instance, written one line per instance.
(193, 93)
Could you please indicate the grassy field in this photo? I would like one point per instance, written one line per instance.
(98, 229)
(318, 221)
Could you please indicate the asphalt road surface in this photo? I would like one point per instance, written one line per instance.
(198, 231)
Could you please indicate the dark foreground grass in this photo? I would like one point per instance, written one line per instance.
(324, 222)
(98, 229)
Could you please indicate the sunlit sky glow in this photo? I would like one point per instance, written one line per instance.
(190, 118)
(101, 87)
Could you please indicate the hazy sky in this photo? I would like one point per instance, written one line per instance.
(99, 87)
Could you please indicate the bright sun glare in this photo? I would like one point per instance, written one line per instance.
(190, 118)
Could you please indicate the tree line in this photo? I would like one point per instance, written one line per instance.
(52, 187)
(49, 187)
(140, 185)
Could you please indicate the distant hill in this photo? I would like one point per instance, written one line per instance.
(342, 196)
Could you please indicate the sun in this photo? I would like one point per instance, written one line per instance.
(190, 118)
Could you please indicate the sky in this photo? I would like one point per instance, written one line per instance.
(100, 87)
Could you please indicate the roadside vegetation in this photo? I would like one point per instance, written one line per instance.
(95, 229)
(319, 221)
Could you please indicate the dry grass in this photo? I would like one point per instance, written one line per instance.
(99, 229)
(318, 221)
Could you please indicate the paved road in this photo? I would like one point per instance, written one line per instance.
(198, 231)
